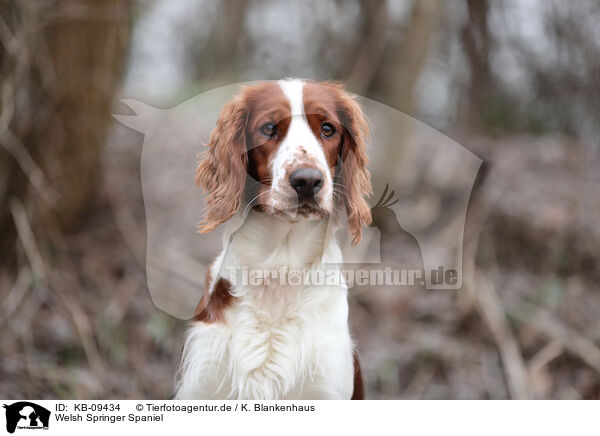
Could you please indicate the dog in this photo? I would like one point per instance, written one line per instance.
(289, 158)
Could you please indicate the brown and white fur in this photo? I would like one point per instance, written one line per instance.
(270, 341)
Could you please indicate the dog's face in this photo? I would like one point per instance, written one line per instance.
(303, 146)
(294, 143)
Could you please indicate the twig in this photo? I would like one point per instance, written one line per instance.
(543, 357)
(28, 240)
(492, 312)
(446, 347)
(82, 323)
(84, 330)
(33, 173)
(553, 328)
(16, 295)
(419, 383)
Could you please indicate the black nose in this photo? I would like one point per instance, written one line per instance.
(306, 181)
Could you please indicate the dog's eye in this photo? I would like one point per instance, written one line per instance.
(327, 129)
(268, 129)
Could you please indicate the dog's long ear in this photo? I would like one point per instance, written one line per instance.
(354, 174)
(221, 171)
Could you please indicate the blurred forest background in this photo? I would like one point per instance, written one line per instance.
(514, 81)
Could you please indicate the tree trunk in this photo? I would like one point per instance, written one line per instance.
(61, 64)
(392, 76)
(477, 44)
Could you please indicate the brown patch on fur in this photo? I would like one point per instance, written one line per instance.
(320, 106)
(270, 106)
(236, 137)
(212, 305)
(222, 169)
(327, 101)
(359, 392)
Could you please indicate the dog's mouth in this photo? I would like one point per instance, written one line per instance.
(308, 209)
(291, 206)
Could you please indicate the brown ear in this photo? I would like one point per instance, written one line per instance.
(221, 171)
(354, 174)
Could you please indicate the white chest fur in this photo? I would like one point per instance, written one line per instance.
(277, 342)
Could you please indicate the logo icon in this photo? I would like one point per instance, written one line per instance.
(418, 223)
(26, 415)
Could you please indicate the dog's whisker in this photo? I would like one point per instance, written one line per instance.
(250, 202)
(340, 185)
(262, 181)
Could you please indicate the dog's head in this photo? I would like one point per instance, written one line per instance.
(303, 144)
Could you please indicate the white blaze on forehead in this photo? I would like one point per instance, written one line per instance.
(293, 91)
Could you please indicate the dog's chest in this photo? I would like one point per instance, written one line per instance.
(285, 342)
(276, 341)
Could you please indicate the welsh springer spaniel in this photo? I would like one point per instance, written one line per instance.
(292, 153)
